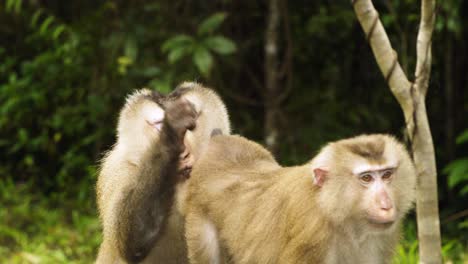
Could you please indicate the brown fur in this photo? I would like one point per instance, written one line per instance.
(242, 207)
(138, 186)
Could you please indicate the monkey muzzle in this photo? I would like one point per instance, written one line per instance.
(382, 218)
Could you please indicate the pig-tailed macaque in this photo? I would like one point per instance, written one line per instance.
(141, 178)
(344, 206)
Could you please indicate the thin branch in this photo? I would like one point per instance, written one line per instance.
(271, 48)
(271, 75)
(385, 55)
(456, 216)
(423, 46)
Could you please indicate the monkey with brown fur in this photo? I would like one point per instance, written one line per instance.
(144, 175)
(344, 206)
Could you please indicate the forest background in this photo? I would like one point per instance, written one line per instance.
(66, 67)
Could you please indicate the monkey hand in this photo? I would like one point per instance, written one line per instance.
(180, 117)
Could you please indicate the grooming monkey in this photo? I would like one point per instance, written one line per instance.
(143, 175)
(344, 206)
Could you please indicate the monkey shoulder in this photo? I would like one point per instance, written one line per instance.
(230, 164)
(235, 149)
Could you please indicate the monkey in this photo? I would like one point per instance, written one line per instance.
(345, 205)
(142, 177)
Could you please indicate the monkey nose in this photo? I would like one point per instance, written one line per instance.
(384, 201)
(386, 204)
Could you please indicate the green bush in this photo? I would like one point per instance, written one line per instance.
(34, 229)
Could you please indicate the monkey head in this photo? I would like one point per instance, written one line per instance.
(370, 178)
(212, 116)
(142, 115)
(146, 110)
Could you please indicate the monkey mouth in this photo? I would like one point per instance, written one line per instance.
(380, 224)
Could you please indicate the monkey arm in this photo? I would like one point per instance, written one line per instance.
(145, 205)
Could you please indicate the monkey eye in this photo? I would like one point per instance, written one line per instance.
(387, 174)
(366, 177)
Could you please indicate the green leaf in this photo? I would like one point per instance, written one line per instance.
(58, 30)
(452, 24)
(162, 85)
(413, 17)
(9, 5)
(14, 5)
(29, 160)
(464, 224)
(131, 48)
(177, 53)
(463, 138)
(124, 60)
(35, 17)
(464, 190)
(179, 40)
(23, 135)
(457, 172)
(221, 45)
(387, 20)
(211, 23)
(203, 60)
(439, 25)
(150, 71)
(45, 25)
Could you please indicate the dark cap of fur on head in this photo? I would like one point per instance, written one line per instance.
(372, 150)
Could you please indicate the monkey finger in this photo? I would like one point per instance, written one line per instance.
(192, 124)
(185, 173)
(156, 124)
(184, 154)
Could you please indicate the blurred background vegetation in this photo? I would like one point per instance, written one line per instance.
(66, 66)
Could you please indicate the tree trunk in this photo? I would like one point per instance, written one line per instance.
(411, 97)
(427, 210)
(271, 129)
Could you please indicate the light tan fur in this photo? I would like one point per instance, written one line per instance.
(122, 168)
(265, 213)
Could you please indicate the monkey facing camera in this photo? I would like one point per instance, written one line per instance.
(344, 206)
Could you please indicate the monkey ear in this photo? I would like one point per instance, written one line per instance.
(319, 176)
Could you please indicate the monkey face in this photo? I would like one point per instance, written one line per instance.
(371, 179)
(377, 196)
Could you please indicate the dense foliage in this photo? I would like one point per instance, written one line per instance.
(66, 67)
